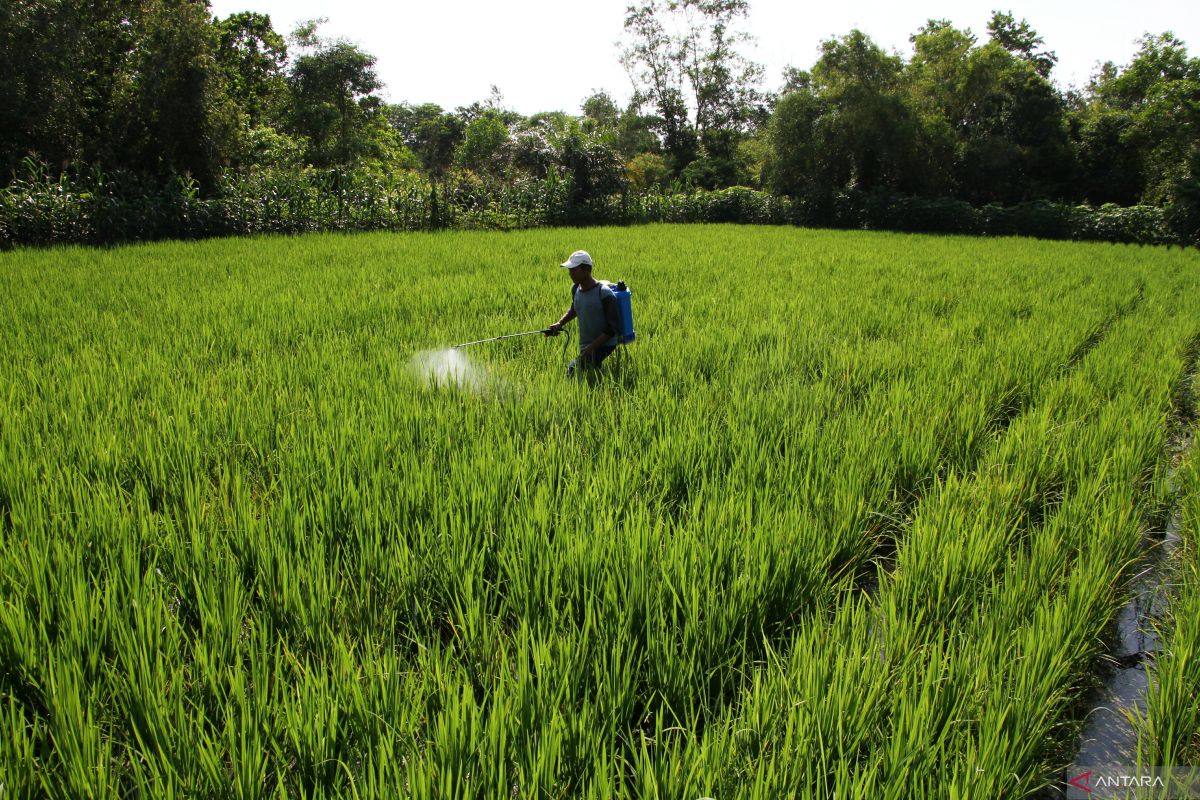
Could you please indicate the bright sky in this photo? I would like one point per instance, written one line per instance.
(548, 55)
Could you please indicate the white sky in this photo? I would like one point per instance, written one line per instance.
(548, 55)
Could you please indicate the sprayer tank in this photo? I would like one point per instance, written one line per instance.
(625, 310)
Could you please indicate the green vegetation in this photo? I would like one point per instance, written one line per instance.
(47, 211)
(852, 516)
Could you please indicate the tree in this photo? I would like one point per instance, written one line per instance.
(174, 113)
(430, 132)
(482, 146)
(494, 105)
(992, 127)
(1109, 170)
(647, 171)
(251, 56)
(867, 131)
(600, 113)
(752, 157)
(652, 61)
(1032, 116)
(698, 71)
(594, 169)
(723, 81)
(61, 65)
(333, 104)
(1021, 40)
(121, 84)
(1155, 104)
(795, 165)
(1160, 60)
(627, 131)
(532, 150)
(635, 133)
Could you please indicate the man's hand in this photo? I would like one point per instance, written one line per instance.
(553, 330)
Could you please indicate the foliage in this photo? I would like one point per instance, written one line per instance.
(125, 85)
(156, 87)
(991, 114)
(967, 135)
(252, 58)
(334, 107)
(483, 144)
(590, 186)
(1108, 170)
(711, 173)
(1023, 41)
(594, 170)
(430, 132)
(866, 137)
(651, 58)
(648, 171)
(1183, 213)
(63, 70)
(600, 113)
(976, 122)
(1041, 219)
(1145, 120)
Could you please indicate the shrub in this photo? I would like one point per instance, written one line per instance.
(90, 207)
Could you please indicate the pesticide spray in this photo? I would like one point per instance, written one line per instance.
(449, 367)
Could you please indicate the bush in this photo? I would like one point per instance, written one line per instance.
(1040, 219)
(1183, 213)
(90, 207)
(1113, 223)
(647, 171)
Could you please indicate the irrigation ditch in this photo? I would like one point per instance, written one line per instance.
(1107, 737)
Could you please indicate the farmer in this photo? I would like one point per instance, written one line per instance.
(596, 307)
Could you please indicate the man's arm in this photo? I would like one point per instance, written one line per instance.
(596, 344)
(554, 329)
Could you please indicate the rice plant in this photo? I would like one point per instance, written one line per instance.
(851, 516)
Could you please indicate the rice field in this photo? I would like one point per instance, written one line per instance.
(852, 517)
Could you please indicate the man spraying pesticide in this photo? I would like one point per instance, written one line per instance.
(604, 313)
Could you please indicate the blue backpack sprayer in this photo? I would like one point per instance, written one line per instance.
(625, 308)
(625, 334)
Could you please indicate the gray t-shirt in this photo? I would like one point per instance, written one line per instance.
(596, 309)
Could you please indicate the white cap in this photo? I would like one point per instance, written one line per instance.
(578, 259)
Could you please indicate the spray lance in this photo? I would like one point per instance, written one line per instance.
(498, 338)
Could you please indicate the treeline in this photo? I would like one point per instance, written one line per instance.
(151, 118)
(981, 121)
